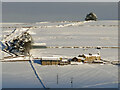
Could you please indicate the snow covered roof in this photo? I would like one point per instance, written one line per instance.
(82, 58)
(50, 58)
(64, 60)
(95, 55)
(87, 55)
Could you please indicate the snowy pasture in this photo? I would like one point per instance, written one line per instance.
(99, 33)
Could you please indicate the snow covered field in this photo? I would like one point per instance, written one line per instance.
(100, 33)
(21, 75)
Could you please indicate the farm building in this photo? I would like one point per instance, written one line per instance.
(84, 58)
(54, 61)
(77, 60)
(89, 57)
(50, 60)
(64, 62)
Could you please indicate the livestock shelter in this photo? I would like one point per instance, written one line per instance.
(50, 60)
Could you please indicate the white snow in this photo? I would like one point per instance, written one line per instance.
(99, 33)
(50, 58)
(17, 75)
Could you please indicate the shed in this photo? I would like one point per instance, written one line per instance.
(50, 60)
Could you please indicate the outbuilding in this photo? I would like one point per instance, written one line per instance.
(50, 60)
(88, 57)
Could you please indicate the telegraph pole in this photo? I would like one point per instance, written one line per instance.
(57, 78)
(71, 82)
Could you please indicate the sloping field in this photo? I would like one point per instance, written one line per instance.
(100, 33)
(21, 75)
